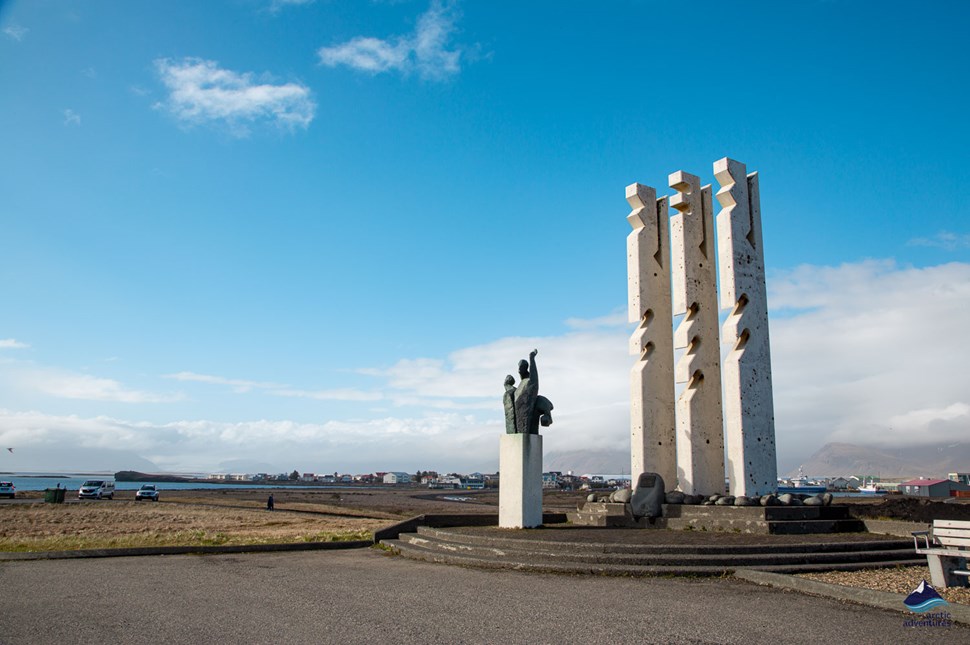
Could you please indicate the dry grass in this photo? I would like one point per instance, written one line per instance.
(55, 527)
(900, 580)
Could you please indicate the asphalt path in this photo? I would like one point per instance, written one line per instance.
(367, 596)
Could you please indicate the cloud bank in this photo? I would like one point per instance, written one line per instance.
(864, 353)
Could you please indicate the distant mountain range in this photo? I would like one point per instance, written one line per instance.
(926, 460)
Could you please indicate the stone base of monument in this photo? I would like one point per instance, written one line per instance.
(606, 514)
(520, 488)
(778, 520)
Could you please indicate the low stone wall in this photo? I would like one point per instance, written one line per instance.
(894, 527)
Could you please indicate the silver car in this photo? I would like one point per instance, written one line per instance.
(148, 491)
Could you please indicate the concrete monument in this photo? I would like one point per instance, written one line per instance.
(700, 438)
(691, 432)
(652, 423)
(749, 422)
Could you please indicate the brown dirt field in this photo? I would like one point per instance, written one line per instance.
(909, 509)
(208, 517)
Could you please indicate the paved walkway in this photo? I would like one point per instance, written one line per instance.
(365, 596)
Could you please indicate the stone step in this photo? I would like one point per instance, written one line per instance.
(420, 552)
(806, 527)
(536, 553)
(416, 552)
(848, 566)
(510, 542)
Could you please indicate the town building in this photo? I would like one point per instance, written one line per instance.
(932, 487)
(397, 478)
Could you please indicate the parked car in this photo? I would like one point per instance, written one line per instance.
(96, 489)
(148, 491)
(7, 489)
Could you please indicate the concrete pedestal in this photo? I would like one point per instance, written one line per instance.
(520, 487)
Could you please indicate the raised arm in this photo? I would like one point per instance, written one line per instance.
(533, 372)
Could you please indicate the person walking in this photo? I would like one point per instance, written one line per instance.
(269, 502)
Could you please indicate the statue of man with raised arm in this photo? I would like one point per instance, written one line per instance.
(525, 408)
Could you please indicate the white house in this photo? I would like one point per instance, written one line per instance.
(397, 478)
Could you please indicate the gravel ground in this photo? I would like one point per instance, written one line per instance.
(900, 580)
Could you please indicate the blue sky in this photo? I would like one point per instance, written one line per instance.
(317, 235)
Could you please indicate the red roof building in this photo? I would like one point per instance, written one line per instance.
(931, 487)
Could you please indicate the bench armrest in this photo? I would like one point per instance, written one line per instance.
(921, 534)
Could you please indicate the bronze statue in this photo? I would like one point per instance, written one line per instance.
(525, 408)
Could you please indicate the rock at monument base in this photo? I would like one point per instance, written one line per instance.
(727, 500)
(648, 497)
(713, 498)
(827, 498)
(693, 500)
(768, 500)
(591, 497)
(743, 500)
(621, 496)
(675, 497)
(814, 500)
(786, 499)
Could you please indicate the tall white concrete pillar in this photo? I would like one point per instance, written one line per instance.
(700, 439)
(520, 483)
(749, 420)
(652, 425)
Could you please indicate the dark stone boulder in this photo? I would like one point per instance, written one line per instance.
(648, 496)
(674, 497)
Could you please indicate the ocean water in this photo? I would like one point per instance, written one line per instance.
(73, 482)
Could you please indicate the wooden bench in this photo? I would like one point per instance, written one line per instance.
(946, 547)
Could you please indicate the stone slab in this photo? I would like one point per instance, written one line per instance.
(520, 489)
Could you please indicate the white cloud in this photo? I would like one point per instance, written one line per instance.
(71, 117)
(68, 385)
(16, 32)
(945, 240)
(425, 51)
(238, 385)
(12, 343)
(338, 394)
(875, 356)
(200, 91)
(430, 441)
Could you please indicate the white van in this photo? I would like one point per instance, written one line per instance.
(96, 489)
